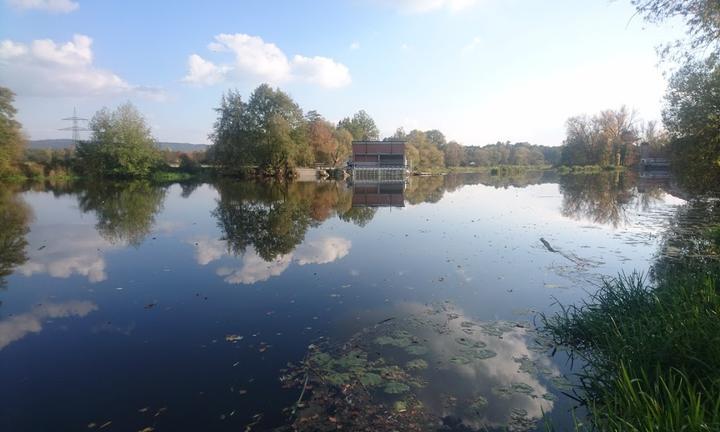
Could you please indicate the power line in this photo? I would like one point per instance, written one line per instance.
(76, 127)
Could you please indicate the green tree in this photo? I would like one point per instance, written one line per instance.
(702, 23)
(608, 138)
(692, 118)
(268, 131)
(12, 141)
(121, 145)
(344, 145)
(232, 144)
(454, 154)
(361, 126)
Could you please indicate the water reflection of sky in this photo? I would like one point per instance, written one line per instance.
(142, 323)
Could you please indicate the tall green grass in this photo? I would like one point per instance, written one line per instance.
(651, 353)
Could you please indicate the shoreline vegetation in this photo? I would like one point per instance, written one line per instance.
(209, 173)
(649, 345)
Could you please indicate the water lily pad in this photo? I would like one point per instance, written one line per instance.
(400, 406)
(401, 342)
(416, 364)
(549, 396)
(338, 378)
(470, 343)
(416, 349)
(394, 387)
(352, 360)
(502, 392)
(321, 359)
(483, 354)
(522, 388)
(371, 379)
(460, 360)
(478, 403)
(526, 365)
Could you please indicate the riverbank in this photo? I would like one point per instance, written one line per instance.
(651, 344)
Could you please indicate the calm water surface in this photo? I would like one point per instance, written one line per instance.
(180, 307)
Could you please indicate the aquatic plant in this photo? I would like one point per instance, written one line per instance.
(651, 352)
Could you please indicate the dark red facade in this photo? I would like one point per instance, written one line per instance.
(378, 154)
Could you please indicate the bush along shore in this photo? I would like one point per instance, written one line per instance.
(650, 345)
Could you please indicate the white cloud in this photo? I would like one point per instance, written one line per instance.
(355, 45)
(422, 6)
(201, 71)
(470, 47)
(55, 6)
(69, 250)
(254, 268)
(18, 326)
(322, 71)
(47, 68)
(322, 251)
(10, 49)
(208, 250)
(256, 59)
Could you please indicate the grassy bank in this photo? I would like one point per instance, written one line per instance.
(587, 169)
(514, 169)
(495, 170)
(651, 352)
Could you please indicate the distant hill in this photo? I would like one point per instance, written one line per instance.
(65, 143)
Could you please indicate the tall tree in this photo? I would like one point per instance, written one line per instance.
(121, 144)
(11, 139)
(361, 126)
(702, 23)
(454, 154)
(608, 138)
(692, 118)
(344, 145)
(232, 144)
(269, 131)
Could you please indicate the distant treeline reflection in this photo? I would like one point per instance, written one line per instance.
(274, 217)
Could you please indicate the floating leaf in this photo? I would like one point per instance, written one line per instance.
(394, 387)
(526, 365)
(483, 354)
(400, 406)
(321, 359)
(370, 379)
(460, 360)
(479, 403)
(392, 341)
(352, 360)
(522, 388)
(502, 392)
(417, 350)
(549, 396)
(416, 364)
(336, 378)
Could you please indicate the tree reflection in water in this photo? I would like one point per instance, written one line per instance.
(273, 218)
(15, 216)
(125, 210)
(604, 198)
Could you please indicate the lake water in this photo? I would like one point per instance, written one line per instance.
(138, 307)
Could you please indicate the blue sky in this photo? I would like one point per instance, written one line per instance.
(479, 70)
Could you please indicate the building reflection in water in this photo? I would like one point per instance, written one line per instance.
(385, 194)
